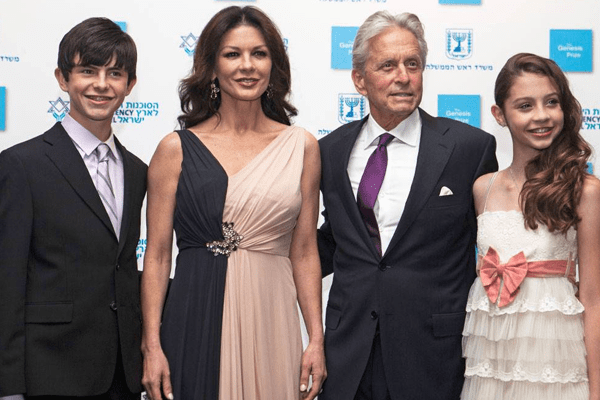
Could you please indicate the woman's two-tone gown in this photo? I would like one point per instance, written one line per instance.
(231, 327)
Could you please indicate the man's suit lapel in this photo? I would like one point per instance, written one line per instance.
(130, 180)
(63, 153)
(339, 156)
(434, 151)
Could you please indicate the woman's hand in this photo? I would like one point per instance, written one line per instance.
(157, 375)
(313, 365)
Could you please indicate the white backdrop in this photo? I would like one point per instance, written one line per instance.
(30, 31)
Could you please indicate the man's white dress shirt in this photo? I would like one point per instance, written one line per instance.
(402, 162)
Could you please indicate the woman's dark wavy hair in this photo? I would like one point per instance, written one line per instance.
(554, 178)
(194, 91)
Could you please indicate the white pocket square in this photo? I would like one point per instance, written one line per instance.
(446, 191)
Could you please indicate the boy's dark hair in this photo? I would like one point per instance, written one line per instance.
(96, 41)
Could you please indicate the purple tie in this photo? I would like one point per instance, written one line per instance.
(369, 187)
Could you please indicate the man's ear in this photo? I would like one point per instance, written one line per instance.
(62, 82)
(359, 82)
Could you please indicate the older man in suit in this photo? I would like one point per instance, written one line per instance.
(70, 206)
(399, 228)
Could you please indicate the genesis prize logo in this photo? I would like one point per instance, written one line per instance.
(460, 1)
(461, 107)
(571, 49)
(2, 108)
(342, 41)
(122, 25)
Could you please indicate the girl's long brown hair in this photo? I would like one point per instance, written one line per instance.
(554, 178)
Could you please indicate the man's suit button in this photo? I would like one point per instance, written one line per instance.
(374, 315)
(117, 267)
(382, 267)
(113, 305)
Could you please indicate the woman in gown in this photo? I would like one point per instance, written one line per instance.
(239, 186)
(528, 334)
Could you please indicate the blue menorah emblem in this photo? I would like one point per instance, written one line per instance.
(351, 107)
(459, 38)
(459, 43)
(351, 102)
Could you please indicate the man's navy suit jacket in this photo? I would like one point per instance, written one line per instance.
(417, 291)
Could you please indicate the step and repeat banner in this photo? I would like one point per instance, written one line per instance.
(469, 42)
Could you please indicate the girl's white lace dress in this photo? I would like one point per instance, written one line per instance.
(526, 343)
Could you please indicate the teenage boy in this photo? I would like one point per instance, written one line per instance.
(70, 206)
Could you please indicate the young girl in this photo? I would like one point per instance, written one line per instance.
(529, 333)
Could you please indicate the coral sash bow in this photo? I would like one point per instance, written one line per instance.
(492, 273)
